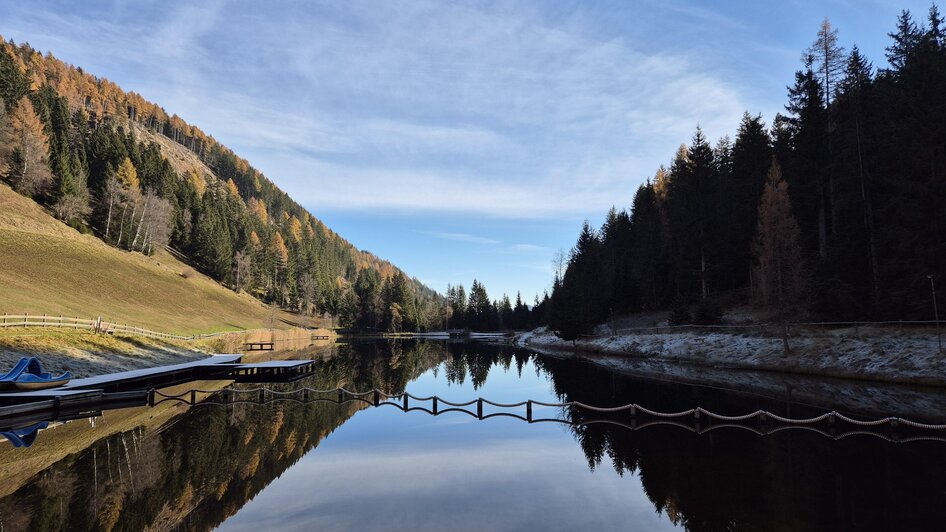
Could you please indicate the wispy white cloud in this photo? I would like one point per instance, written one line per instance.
(463, 237)
(531, 248)
(420, 106)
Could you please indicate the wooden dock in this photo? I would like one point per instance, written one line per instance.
(273, 371)
(214, 367)
(86, 396)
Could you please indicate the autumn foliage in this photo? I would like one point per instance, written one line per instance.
(778, 276)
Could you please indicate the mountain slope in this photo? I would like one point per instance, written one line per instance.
(48, 267)
(150, 179)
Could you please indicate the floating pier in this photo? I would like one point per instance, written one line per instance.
(82, 397)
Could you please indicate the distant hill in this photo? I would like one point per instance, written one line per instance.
(123, 169)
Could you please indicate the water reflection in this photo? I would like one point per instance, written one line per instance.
(349, 466)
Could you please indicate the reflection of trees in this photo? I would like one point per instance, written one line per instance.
(476, 360)
(204, 465)
(735, 480)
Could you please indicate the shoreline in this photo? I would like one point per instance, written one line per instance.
(904, 358)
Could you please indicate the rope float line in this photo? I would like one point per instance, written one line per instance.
(381, 398)
(633, 426)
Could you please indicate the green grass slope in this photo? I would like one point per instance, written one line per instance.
(48, 267)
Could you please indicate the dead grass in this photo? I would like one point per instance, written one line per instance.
(86, 354)
(47, 267)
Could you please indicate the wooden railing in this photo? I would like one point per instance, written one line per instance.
(96, 325)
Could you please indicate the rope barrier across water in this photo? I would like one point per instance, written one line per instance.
(381, 398)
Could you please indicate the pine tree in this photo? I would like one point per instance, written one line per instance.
(648, 261)
(479, 308)
(855, 257)
(751, 158)
(905, 41)
(213, 249)
(14, 84)
(807, 159)
(576, 306)
(693, 217)
(73, 204)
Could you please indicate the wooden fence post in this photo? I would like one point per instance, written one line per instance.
(26, 318)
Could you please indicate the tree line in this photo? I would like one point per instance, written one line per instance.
(86, 150)
(837, 210)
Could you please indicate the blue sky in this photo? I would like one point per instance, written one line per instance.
(456, 139)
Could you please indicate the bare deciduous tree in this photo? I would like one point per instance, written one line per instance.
(241, 267)
(111, 198)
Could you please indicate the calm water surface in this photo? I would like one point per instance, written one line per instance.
(286, 466)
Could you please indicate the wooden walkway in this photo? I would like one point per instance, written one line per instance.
(132, 388)
(216, 366)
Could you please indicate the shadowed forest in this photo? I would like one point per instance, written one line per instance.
(834, 210)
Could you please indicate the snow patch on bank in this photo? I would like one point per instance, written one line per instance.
(894, 357)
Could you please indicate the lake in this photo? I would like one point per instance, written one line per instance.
(353, 466)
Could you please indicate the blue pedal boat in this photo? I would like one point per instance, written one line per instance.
(24, 436)
(28, 374)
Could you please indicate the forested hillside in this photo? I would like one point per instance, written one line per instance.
(837, 210)
(109, 162)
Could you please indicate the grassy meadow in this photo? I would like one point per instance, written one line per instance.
(48, 267)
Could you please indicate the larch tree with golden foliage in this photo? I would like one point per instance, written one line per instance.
(29, 167)
(778, 273)
(295, 229)
(128, 175)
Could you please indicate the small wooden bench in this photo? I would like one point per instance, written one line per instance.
(259, 346)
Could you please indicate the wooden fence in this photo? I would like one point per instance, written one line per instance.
(97, 325)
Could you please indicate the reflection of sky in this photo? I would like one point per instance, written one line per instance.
(384, 469)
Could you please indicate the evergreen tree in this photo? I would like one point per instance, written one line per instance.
(905, 41)
(576, 299)
(807, 157)
(213, 249)
(742, 187)
(479, 309)
(694, 221)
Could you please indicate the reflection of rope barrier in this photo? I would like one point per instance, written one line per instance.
(380, 398)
